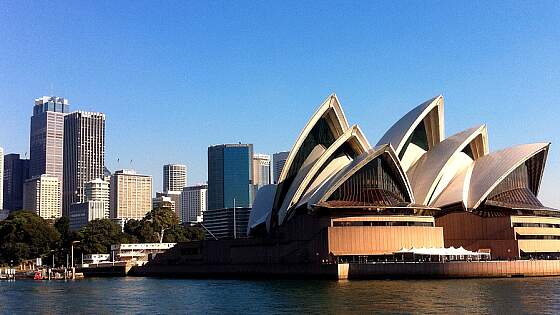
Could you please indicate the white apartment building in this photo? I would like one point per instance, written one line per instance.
(195, 203)
(98, 190)
(174, 177)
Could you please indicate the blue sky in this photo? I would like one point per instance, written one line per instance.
(176, 76)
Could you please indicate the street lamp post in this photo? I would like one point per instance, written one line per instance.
(72, 250)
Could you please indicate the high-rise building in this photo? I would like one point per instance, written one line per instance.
(174, 177)
(16, 172)
(98, 190)
(230, 175)
(163, 202)
(279, 159)
(83, 212)
(84, 154)
(41, 194)
(131, 195)
(47, 137)
(174, 196)
(194, 201)
(1, 178)
(261, 170)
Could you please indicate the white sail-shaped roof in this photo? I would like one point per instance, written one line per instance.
(429, 115)
(326, 125)
(262, 207)
(436, 169)
(491, 169)
(357, 143)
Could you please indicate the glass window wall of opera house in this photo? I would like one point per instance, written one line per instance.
(338, 196)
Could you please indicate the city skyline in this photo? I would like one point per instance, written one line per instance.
(503, 69)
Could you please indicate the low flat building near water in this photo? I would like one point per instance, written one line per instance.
(140, 252)
(96, 258)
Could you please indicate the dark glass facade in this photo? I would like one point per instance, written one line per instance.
(230, 176)
(16, 171)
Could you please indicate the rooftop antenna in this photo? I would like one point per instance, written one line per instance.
(52, 89)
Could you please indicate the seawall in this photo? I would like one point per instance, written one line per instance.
(485, 269)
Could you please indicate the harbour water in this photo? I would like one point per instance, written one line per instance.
(169, 296)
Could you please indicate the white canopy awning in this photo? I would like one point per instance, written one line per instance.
(452, 251)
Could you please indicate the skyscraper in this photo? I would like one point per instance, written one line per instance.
(47, 136)
(41, 194)
(261, 170)
(174, 177)
(230, 175)
(98, 190)
(1, 178)
(131, 195)
(195, 201)
(279, 159)
(84, 154)
(16, 172)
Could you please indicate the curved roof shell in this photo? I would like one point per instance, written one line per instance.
(490, 170)
(429, 114)
(355, 141)
(333, 183)
(262, 207)
(326, 125)
(437, 168)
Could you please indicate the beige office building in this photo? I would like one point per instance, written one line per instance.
(41, 195)
(131, 195)
(261, 170)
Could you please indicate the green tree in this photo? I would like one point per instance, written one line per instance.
(25, 235)
(149, 229)
(158, 221)
(62, 225)
(180, 233)
(98, 236)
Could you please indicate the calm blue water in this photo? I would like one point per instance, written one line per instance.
(157, 296)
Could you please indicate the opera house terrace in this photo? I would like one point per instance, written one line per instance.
(341, 200)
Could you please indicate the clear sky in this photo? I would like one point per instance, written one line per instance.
(176, 76)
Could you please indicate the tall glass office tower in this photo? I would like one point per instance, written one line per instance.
(230, 175)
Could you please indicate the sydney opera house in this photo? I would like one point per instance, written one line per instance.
(341, 201)
(339, 197)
